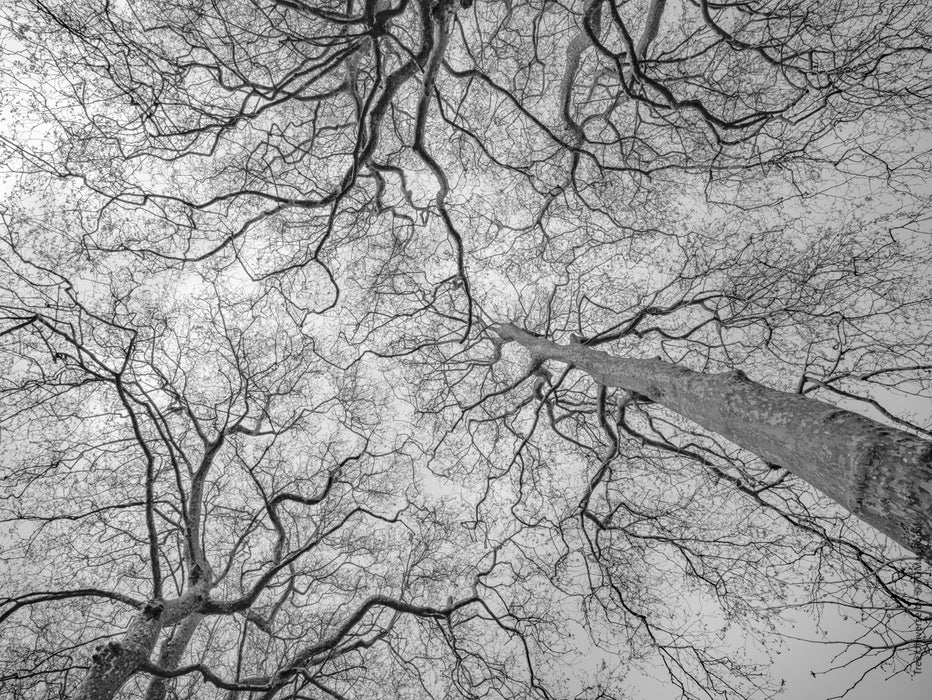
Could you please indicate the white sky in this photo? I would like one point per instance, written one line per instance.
(799, 658)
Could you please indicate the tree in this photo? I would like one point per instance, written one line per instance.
(259, 254)
(225, 475)
(880, 474)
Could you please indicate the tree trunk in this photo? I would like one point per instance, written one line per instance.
(170, 654)
(882, 475)
(113, 664)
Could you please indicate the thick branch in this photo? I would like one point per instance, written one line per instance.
(651, 26)
(171, 652)
(114, 663)
(882, 475)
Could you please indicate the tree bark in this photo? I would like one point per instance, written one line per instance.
(651, 26)
(882, 475)
(113, 664)
(171, 652)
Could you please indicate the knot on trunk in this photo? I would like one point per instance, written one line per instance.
(153, 609)
(104, 654)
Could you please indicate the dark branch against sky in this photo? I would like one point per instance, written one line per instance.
(262, 435)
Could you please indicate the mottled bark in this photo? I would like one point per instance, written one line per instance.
(882, 475)
(171, 652)
(113, 664)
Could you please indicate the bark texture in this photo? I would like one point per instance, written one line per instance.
(882, 475)
(113, 664)
(171, 652)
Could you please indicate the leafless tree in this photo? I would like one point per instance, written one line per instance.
(260, 257)
(189, 481)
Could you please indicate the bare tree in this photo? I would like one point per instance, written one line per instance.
(880, 474)
(259, 426)
(595, 447)
(305, 129)
(227, 500)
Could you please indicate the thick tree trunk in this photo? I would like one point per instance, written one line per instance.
(113, 664)
(882, 475)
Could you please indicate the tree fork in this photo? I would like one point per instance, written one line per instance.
(881, 474)
(114, 663)
(171, 652)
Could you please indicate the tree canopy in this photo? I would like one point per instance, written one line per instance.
(262, 433)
